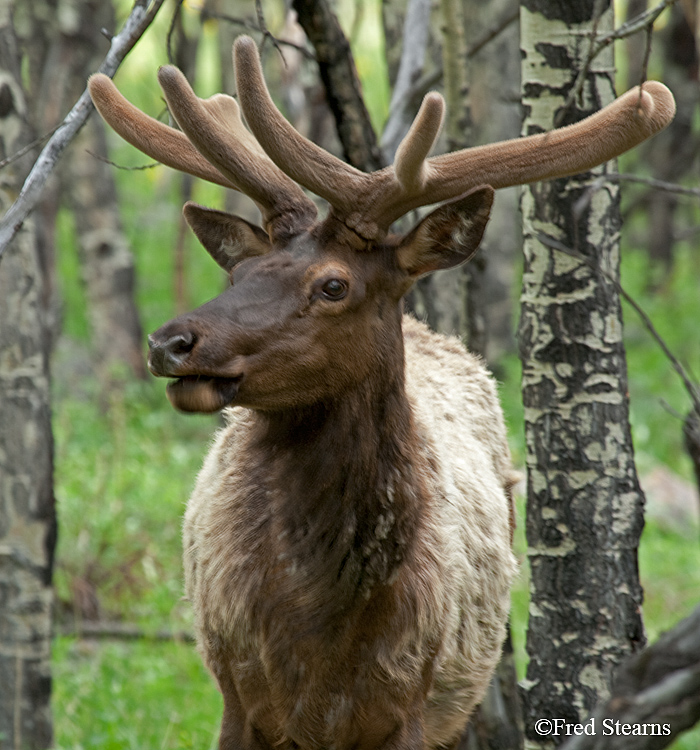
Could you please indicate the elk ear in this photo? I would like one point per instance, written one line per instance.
(228, 238)
(448, 236)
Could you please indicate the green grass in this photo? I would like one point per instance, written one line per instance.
(131, 696)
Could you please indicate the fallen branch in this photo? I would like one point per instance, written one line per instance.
(121, 631)
(656, 695)
(136, 24)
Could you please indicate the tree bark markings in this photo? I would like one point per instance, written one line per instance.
(584, 503)
(27, 513)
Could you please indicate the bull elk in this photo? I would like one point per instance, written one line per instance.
(347, 543)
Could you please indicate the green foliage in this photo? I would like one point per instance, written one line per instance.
(132, 696)
(657, 394)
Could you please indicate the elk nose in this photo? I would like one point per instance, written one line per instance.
(166, 357)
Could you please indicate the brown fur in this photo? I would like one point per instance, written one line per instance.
(350, 584)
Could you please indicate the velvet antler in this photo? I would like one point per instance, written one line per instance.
(268, 164)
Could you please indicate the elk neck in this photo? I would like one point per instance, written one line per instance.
(345, 481)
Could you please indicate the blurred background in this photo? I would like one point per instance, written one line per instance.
(120, 261)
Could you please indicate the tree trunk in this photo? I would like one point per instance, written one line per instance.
(27, 514)
(584, 503)
(61, 49)
(339, 76)
(481, 65)
(495, 115)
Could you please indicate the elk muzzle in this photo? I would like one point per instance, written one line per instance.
(169, 356)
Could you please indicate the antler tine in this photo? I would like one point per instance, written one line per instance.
(623, 124)
(304, 161)
(157, 140)
(234, 158)
(215, 128)
(409, 162)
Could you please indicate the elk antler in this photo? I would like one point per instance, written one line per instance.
(215, 145)
(268, 164)
(369, 203)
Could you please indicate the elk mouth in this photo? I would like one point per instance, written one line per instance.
(199, 393)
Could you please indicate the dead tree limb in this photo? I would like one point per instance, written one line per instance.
(656, 695)
(136, 24)
(342, 85)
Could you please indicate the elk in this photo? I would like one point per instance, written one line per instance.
(347, 546)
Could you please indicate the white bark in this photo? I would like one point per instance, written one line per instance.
(584, 514)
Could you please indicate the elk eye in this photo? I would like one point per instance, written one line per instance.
(334, 289)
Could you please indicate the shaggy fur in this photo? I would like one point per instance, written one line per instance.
(322, 602)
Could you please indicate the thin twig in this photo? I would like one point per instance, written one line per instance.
(171, 31)
(19, 154)
(252, 26)
(669, 187)
(136, 24)
(647, 53)
(692, 388)
(140, 168)
(267, 34)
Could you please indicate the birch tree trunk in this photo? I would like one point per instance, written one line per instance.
(584, 503)
(27, 514)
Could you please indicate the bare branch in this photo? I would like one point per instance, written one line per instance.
(669, 187)
(140, 168)
(249, 25)
(19, 154)
(171, 31)
(136, 24)
(267, 34)
(656, 691)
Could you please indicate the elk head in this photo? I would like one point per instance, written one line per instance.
(303, 289)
